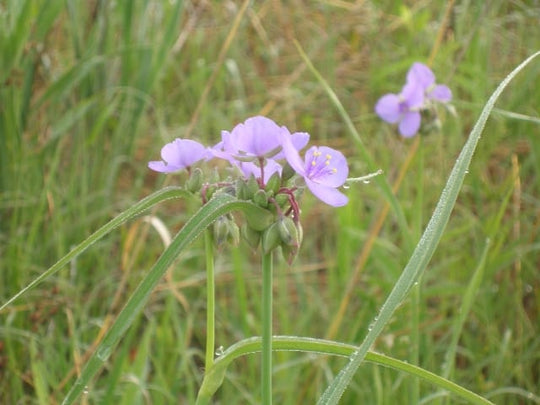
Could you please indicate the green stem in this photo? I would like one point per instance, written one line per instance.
(210, 299)
(266, 371)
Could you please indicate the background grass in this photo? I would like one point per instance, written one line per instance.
(91, 90)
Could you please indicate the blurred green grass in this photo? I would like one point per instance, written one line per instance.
(90, 91)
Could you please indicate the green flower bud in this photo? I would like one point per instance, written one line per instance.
(273, 184)
(226, 230)
(260, 198)
(288, 232)
(251, 236)
(289, 253)
(282, 199)
(270, 238)
(241, 189)
(252, 187)
(194, 183)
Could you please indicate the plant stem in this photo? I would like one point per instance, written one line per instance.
(266, 370)
(210, 299)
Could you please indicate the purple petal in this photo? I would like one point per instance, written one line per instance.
(441, 93)
(328, 195)
(298, 139)
(388, 108)
(413, 95)
(159, 166)
(256, 136)
(421, 75)
(410, 124)
(292, 156)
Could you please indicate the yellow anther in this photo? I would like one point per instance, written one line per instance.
(313, 163)
(328, 157)
(334, 170)
(327, 162)
(317, 153)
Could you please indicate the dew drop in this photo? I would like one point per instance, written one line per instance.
(219, 351)
(346, 186)
(85, 390)
(104, 353)
(366, 181)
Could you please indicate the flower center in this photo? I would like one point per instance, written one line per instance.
(320, 166)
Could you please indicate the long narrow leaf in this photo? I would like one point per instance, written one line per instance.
(214, 377)
(144, 204)
(425, 248)
(208, 213)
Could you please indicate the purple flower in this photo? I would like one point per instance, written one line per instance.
(417, 94)
(256, 142)
(323, 169)
(258, 137)
(403, 108)
(424, 77)
(179, 154)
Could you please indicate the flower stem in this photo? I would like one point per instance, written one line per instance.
(266, 370)
(210, 299)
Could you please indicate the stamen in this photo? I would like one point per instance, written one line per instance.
(328, 157)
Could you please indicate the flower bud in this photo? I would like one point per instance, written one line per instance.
(288, 232)
(251, 187)
(270, 238)
(226, 230)
(241, 189)
(194, 183)
(260, 198)
(273, 184)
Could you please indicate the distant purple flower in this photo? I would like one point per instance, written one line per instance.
(323, 169)
(403, 108)
(423, 76)
(179, 154)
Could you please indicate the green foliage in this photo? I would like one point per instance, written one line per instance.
(90, 90)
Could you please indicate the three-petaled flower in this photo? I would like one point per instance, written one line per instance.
(324, 170)
(418, 93)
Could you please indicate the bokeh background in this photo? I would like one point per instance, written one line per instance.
(91, 90)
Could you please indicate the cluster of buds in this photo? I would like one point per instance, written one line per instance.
(268, 171)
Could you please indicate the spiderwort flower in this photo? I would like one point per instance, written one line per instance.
(324, 170)
(403, 108)
(254, 145)
(179, 154)
(418, 93)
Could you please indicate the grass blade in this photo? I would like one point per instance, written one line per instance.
(425, 248)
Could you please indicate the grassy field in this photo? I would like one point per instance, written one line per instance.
(91, 90)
